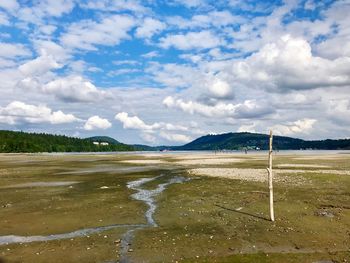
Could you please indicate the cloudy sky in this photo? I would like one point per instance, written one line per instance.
(165, 72)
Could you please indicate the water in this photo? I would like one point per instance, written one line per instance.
(11, 239)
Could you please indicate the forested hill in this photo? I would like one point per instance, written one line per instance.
(11, 141)
(246, 140)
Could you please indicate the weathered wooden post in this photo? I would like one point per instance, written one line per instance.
(269, 170)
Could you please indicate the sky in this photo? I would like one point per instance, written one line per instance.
(166, 72)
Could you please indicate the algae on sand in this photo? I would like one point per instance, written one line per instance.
(204, 220)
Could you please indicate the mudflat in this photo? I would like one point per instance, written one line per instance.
(81, 208)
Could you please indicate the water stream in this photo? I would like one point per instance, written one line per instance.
(145, 195)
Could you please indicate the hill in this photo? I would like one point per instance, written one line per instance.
(11, 141)
(246, 140)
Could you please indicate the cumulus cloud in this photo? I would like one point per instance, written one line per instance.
(19, 112)
(112, 5)
(39, 66)
(138, 124)
(151, 54)
(95, 123)
(175, 137)
(10, 50)
(247, 109)
(164, 130)
(4, 19)
(55, 8)
(50, 48)
(219, 88)
(289, 64)
(300, 126)
(149, 27)
(109, 31)
(175, 75)
(214, 18)
(190, 3)
(191, 40)
(75, 89)
(9, 5)
(41, 10)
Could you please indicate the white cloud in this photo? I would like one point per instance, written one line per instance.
(212, 19)
(189, 3)
(9, 50)
(123, 71)
(47, 29)
(18, 112)
(75, 89)
(174, 75)
(50, 48)
(115, 5)
(109, 31)
(151, 54)
(4, 19)
(9, 5)
(289, 64)
(39, 66)
(132, 122)
(181, 138)
(41, 10)
(149, 27)
(300, 126)
(55, 8)
(126, 62)
(191, 40)
(95, 122)
(247, 109)
(164, 130)
(219, 88)
(4, 63)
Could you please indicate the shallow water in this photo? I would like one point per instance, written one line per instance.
(110, 169)
(41, 184)
(11, 239)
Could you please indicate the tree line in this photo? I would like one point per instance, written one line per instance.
(14, 142)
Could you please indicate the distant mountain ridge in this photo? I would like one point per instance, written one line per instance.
(246, 140)
(12, 141)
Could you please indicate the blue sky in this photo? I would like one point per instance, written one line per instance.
(167, 72)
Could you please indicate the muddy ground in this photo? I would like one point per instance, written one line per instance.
(220, 215)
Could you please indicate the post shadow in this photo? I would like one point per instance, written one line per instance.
(243, 213)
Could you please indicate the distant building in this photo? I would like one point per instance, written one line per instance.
(101, 143)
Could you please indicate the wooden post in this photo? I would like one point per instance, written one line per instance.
(269, 170)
